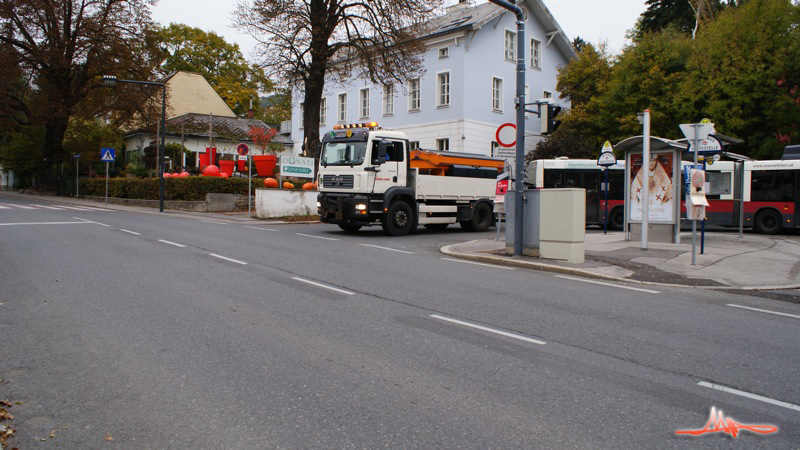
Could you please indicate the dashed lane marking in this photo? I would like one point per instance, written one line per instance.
(227, 259)
(793, 316)
(490, 330)
(324, 286)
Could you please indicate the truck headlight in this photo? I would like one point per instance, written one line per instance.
(361, 207)
(319, 205)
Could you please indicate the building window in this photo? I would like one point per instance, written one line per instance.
(413, 145)
(497, 94)
(510, 45)
(342, 107)
(494, 148)
(388, 99)
(536, 54)
(443, 145)
(323, 110)
(414, 95)
(444, 52)
(364, 102)
(302, 114)
(547, 94)
(443, 89)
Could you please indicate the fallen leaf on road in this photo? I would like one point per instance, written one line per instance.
(108, 437)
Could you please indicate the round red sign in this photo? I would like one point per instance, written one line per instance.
(242, 149)
(506, 135)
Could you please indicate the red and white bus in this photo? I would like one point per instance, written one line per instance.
(770, 189)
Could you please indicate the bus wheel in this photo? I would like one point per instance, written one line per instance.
(398, 220)
(616, 219)
(768, 221)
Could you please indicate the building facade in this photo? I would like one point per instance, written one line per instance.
(468, 85)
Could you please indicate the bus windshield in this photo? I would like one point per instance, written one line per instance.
(343, 153)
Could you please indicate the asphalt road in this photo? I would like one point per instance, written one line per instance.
(133, 330)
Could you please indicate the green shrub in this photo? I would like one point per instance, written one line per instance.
(186, 189)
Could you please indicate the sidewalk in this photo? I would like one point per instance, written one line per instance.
(752, 262)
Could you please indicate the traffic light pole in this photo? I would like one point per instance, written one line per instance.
(520, 105)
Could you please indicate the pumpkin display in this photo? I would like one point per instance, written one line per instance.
(270, 183)
(184, 174)
(167, 175)
(211, 171)
(288, 185)
(308, 186)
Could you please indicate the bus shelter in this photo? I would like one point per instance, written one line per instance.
(662, 173)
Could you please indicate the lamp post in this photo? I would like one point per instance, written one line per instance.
(111, 81)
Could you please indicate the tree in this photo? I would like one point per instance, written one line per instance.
(62, 47)
(585, 77)
(220, 62)
(744, 75)
(87, 136)
(262, 137)
(302, 41)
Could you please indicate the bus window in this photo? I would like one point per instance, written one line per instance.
(572, 180)
(772, 186)
(552, 179)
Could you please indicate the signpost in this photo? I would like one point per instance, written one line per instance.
(77, 157)
(243, 150)
(107, 156)
(606, 159)
(696, 133)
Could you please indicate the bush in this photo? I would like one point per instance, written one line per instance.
(186, 189)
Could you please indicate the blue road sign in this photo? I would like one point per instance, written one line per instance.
(107, 154)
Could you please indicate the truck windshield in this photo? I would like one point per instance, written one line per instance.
(344, 153)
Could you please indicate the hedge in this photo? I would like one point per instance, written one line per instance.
(186, 189)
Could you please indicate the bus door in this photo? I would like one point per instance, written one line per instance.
(591, 182)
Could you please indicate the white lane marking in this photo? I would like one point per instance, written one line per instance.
(316, 237)
(171, 243)
(42, 223)
(387, 248)
(92, 221)
(211, 221)
(607, 284)
(15, 205)
(5, 207)
(228, 259)
(48, 207)
(765, 311)
(478, 264)
(259, 228)
(749, 395)
(490, 330)
(78, 208)
(131, 232)
(323, 286)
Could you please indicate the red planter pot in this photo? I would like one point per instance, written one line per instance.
(226, 166)
(265, 164)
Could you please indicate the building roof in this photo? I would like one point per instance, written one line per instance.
(229, 128)
(463, 17)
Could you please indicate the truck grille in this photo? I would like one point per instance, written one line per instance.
(342, 181)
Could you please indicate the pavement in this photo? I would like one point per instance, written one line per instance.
(753, 262)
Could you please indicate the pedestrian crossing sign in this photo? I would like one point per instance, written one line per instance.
(107, 155)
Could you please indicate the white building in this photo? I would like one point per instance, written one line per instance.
(468, 85)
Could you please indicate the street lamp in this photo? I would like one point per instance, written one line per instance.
(111, 81)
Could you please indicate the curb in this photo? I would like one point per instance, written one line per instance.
(544, 267)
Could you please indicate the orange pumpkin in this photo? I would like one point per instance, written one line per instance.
(288, 185)
(308, 186)
(270, 183)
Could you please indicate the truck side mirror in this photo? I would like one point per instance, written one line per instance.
(380, 158)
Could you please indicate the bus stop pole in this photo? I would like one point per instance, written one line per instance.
(741, 199)
(694, 222)
(249, 186)
(646, 188)
(703, 223)
(605, 182)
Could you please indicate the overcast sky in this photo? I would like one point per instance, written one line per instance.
(593, 20)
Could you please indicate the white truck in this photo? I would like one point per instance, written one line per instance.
(368, 176)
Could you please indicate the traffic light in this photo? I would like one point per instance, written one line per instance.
(549, 122)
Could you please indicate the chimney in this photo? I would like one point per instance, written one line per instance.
(250, 113)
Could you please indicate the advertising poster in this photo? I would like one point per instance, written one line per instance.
(661, 201)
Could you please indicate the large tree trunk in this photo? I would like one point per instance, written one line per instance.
(53, 150)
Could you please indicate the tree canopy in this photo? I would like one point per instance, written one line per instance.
(741, 71)
(61, 48)
(221, 63)
(302, 41)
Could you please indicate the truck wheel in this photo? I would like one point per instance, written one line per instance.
(349, 227)
(616, 219)
(481, 220)
(768, 221)
(398, 221)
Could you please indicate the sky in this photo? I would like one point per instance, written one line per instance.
(593, 20)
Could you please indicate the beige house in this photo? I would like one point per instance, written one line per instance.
(197, 117)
